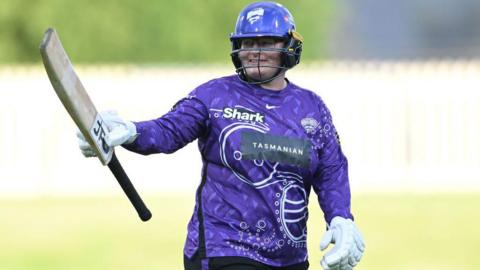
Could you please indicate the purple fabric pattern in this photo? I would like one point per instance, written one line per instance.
(263, 151)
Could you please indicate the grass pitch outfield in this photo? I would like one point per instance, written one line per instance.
(402, 231)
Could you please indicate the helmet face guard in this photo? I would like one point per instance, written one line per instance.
(266, 19)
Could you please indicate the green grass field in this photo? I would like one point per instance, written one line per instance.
(402, 231)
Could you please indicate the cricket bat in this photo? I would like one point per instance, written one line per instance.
(75, 99)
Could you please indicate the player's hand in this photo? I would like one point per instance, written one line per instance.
(85, 147)
(349, 245)
(118, 132)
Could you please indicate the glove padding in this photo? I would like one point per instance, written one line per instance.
(118, 132)
(349, 245)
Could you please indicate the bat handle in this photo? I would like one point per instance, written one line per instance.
(129, 189)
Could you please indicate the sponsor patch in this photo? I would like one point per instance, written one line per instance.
(261, 146)
(243, 115)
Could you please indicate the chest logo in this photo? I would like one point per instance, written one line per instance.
(309, 124)
(269, 107)
(243, 114)
(261, 146)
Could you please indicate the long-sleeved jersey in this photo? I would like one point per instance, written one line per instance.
(262, 152)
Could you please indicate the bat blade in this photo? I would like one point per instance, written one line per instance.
(72, 94)
(76, 101)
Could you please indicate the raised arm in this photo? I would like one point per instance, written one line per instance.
(185, 122)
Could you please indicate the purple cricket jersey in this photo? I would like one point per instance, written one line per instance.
(262, 152)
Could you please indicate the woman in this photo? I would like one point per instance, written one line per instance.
(265, 143)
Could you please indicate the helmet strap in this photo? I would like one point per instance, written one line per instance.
(242, 74)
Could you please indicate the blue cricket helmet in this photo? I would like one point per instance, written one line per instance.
(264, 19)
(267, 19)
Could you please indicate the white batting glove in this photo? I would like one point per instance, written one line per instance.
(118, 132)
(85, 147)
(349, 245)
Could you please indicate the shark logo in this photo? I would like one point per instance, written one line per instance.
(254, 15)
(243, 115)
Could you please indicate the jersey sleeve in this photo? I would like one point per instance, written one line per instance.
(331, 183)
(184, 123)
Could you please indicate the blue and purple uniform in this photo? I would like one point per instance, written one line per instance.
(262, 152)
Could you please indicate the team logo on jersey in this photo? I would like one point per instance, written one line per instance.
(243, 115)
(309, 124)
(254, 15)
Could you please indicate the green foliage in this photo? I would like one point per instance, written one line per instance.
(147, 31)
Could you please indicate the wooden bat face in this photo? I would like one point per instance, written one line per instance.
(73, 96)
(71, 92)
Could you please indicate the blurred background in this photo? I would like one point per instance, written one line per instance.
(401, 78)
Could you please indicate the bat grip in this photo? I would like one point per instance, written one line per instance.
(129, 189)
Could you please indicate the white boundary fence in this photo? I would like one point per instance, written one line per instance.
(406, 126)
